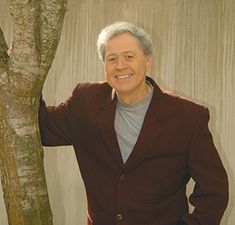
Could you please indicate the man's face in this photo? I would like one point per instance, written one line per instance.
(126, 65)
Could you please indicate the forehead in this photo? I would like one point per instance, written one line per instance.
(124, 42)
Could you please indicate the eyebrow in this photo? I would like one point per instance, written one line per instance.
(125, 52)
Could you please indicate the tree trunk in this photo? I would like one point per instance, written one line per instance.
(37, 29)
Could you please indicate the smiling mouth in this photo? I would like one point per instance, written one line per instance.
(123, 76)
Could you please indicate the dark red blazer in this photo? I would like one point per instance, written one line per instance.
(174, 145)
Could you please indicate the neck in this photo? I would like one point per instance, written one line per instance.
(134, 97)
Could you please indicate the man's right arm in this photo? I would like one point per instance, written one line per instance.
(54, 124)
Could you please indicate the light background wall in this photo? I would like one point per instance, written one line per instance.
(194, 56)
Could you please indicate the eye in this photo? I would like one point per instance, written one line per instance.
(129, 57)
(111, 59)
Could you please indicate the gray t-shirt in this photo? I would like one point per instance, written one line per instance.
(128, 123)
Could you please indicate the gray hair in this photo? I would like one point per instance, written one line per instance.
(118, 28)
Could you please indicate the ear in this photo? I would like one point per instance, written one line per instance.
(149, 62)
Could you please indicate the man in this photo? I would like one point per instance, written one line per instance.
(136, 146)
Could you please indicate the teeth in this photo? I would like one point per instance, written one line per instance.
(124, 76)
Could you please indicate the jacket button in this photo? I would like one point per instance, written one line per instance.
(119, 217)
(122, 177)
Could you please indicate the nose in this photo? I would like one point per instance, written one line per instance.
(121, 64)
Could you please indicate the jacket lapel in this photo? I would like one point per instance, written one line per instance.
(152, 128)
(105, 123)
(150, 131)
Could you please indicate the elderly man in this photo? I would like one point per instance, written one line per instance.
(137, 146)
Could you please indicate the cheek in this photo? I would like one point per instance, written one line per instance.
(107, 70)
(108, 74)
(140, 68)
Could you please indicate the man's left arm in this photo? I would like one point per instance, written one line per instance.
(210, 194)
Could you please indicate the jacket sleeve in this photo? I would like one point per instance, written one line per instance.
(210, 194)
(55, 123)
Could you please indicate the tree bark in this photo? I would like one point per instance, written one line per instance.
(37, 30)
